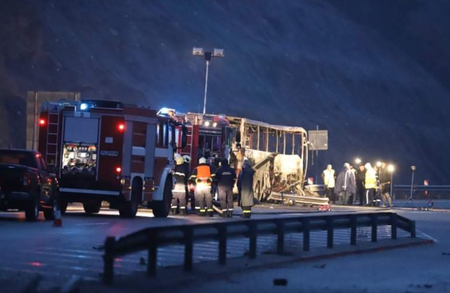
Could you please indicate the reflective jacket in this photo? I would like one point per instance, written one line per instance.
(180, 175)
(202, 175)
(225, 177)
(371, 179)
(328, 178)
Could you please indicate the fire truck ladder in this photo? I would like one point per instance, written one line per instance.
(51, 148)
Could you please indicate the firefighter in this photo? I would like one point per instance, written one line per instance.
(385, 185)
(179, 191)
(203, 178)
(360, 180)
(329, 180)
(245, 187)
(225, 180)
(190, 185)
(370, 184)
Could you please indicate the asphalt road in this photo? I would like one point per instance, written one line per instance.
(57, 255)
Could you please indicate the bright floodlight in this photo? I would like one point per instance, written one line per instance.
(379, 164)
(196, 51)
(218, 53)
(358, 161)
(214, 124)
(391, 168)
(83, 106)
(207, 123)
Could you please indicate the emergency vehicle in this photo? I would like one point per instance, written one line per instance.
(279, 154)
(110, 151)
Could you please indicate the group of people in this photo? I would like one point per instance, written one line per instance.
(205, 180)
(366, 185)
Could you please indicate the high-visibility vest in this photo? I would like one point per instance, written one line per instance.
(371, 179)
(203, 175)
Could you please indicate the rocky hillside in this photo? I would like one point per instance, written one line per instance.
(374, 73)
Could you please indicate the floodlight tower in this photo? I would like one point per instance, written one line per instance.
(199, 52)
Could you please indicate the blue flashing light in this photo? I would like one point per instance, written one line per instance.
(83, 106)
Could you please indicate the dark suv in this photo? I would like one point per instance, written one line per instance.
(26, 183)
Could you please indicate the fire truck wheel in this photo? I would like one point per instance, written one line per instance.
(92, 206)
(128, 209)
(32, 210)
(161, 208)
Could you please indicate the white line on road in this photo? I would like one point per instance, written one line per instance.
(91, 224)
(428, 236)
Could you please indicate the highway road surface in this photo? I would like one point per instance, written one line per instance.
(57, 255)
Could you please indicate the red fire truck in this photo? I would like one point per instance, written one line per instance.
(109, 151)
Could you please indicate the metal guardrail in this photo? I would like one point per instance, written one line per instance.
(151, 239)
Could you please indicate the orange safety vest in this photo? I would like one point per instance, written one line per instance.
(204, 175)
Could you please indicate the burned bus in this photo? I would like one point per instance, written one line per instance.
(278, 154)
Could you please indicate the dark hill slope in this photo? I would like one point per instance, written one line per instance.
(287, 62)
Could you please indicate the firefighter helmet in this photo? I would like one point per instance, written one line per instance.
(179, 159)
(202, 161)
(187, 159)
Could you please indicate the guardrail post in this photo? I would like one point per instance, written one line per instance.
(152, 253)
(374, 223)
(108, 261)
(393, 226)
(412, 226)
(353, 227)
(252, 230)
(306, 234)
(280, 238)
(188, 248)
(222, 244)
(330, 230)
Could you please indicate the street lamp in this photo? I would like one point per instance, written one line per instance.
(413, 168)
(391, 169)
(357, 161)
(379, 164)
(199, 52)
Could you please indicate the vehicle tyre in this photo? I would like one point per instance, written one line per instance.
(32, 210)
(161, 208)
(128, 209)
(48, 214)
(92, 206)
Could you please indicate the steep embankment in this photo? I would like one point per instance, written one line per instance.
(303, 63)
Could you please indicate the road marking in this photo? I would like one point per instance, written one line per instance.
(91, 224)
(428, 236)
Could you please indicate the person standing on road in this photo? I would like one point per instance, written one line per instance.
(203, 178)
(225, 179)
(385, 185)
(179, 191)
(345, 184)
(245, 187)
(360, 180)
(370, 184)
(329, 180)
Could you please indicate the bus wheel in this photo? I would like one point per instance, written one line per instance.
(92, 206)
(128, 209)
(161, 208)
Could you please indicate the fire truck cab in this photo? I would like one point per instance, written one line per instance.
(110, 151)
